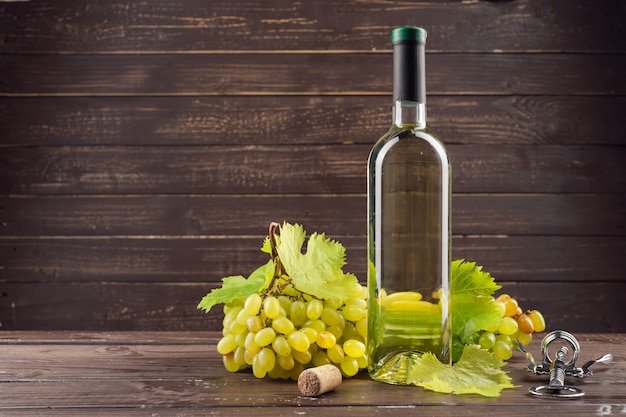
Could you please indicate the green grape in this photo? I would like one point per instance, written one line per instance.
(487, 340)
(238, 356)
(286, 362)
(281, 346)
(317, 325)
(508, 326)
(358, 302)
(335, 353)
(258, 370)
(332, 317)
(237, 328)
(332, 303)
(297, 313)
(226, 344)
(302, 357)
(229, 363)
(401, 296)
(336, 331)
(524, 338)
(361, 327)
(502, 350)
(271, 307)
(539, 322)
(362, 361)
(249, 355)
(277, 372)
(252, 305)
(285, 302)
(250, 343)
(241, 338)
(295, 372)
(298, 341)
(349, 366)
(354, 348)
(510, 307)
(314, 309)
(310, 334)
(320, 358)
(266, 359)
(326, 339)
(230, 317)
(242, 317)
(283, 325)
(350, 332)
(254, 323)
(265, 336)
(353, 312)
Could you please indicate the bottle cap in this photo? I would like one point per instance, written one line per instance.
(408, 33)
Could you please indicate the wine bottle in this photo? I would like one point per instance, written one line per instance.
(408, 227)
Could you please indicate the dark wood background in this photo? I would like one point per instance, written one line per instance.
(146, 146)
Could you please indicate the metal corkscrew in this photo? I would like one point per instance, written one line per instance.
(561, 366)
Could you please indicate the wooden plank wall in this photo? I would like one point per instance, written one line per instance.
(146, 146)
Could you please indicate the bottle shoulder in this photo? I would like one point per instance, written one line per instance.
(409, 134)
(408, 140)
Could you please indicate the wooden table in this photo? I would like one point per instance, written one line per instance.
(181, 374)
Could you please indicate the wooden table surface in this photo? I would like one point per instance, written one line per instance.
(181, 374)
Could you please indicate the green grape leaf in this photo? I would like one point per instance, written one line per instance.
(477, 372)
(266, 247)
(237, 286)
(317, 271)
(468, 278)
(472, 303)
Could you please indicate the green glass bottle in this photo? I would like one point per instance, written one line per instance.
(408, 227)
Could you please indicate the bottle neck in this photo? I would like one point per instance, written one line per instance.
(409, 84)
(409, 72)
(409, 114)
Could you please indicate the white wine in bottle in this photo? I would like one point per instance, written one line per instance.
(408, 227)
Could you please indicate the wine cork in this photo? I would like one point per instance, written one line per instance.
(316, 381)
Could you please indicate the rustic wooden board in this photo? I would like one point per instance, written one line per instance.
(69, 337)
(305, 120)
(305, 73)
(209, 258)
(115, 26)
(215, 215)
(486, 410)
(47, 378)
(594, 306)
(290, 169)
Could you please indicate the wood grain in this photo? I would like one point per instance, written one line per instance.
(287, 169)
(207, 259)
(218, 215)
(172, 305)
(305, 74)
(145, 147)
(178, 26)
(305, 120)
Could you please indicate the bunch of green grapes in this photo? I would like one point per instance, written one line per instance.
(515, 324)
(280, 335)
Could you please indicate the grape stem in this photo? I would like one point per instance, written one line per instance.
(272, 235)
